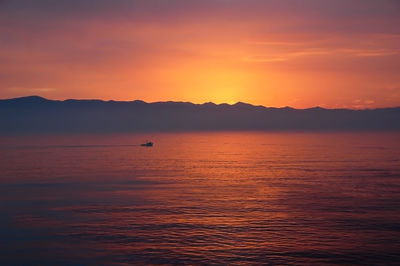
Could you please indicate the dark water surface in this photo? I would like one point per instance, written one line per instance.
(201, 198)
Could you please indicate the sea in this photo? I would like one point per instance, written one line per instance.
(201, 198)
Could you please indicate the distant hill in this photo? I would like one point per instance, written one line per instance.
(35, 114)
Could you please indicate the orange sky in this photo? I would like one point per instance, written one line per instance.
(274, 53)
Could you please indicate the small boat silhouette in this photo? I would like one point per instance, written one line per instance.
(147, 144)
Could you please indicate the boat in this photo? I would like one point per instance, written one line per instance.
(147, 144)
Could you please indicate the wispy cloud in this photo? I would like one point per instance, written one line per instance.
(284, 56)
(285, 47)
(362, 104)
(376, 53)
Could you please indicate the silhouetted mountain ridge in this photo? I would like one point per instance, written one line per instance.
(35, 114)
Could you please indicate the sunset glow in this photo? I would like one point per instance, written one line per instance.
(200, 132)
(274, 53)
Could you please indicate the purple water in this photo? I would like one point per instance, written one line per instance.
(201, 198)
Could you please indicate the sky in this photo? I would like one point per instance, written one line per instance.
(299, 53)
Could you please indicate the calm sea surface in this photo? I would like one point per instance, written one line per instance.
(201, 198)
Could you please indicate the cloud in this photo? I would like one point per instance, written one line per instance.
(324, 49)
(316, 52)
(374, 53)
(362, 104)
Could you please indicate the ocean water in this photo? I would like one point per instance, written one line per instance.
(201, 198)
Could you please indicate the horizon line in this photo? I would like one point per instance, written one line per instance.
(188, 102)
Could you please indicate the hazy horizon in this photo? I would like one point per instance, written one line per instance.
(39, 115)
(194, 103)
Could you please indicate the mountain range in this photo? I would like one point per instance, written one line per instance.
(34, 114)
